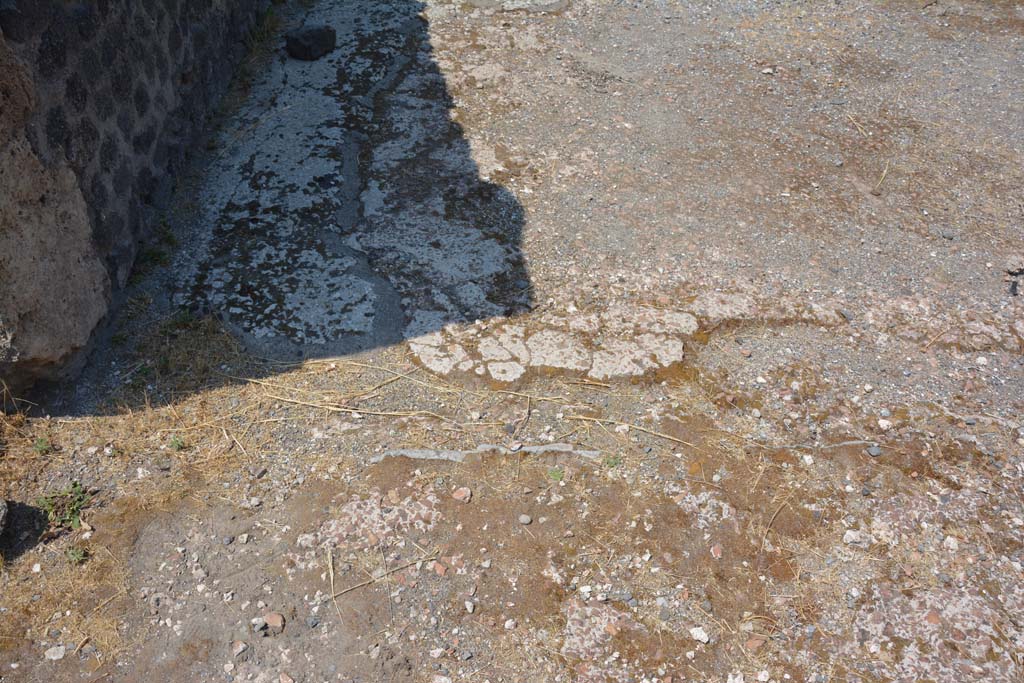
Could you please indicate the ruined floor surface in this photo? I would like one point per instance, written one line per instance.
(526, 340)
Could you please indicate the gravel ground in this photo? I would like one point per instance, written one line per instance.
(560, 341)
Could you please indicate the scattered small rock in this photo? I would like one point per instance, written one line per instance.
(699, 634)
(525, 519)
(274, 622)
(857, 538)
(55, 653)
(463, 494)
(312, 43)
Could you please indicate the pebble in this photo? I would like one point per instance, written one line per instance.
(510, 624)
(470, 607)
(463, 494)
(55, 653)
(874, 451)
(858, 538)
(525, 519)
(699, 634)
(311, 43)
(274, 621)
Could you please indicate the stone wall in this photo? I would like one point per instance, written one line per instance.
(100, 101)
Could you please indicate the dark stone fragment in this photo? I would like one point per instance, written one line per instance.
(103, 102)
(83, 144)
(98, 192)
(108, 153)
(121, 81)
(311, 43)
(160, 61)
(141, 100)
(143, 142)
(123, 180)
(874, 451)
(174, 41)
(145, 185)
(126, 122)
(75, 94)
(89, 67)
(109, 48)
(57, 131)
(53, 50)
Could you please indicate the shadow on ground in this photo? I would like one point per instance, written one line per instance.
(23, 530)
(339, 208)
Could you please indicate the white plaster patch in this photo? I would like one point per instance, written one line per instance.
(506, 372)
(557, 349)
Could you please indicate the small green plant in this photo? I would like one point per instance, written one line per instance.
(556, 474)
(166, 236)
(76, 555)
(612, 461)
(148, 260)
(258, 42)
(42, 446)
(182, 319)
(177, 443)
(153, 256)
(64, 508)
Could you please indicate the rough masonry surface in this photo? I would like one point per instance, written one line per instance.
(101, 101)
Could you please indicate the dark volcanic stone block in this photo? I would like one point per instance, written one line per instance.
(311, 43)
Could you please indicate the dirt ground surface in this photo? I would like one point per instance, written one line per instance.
(559, 340)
